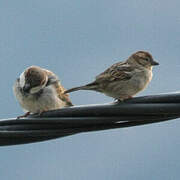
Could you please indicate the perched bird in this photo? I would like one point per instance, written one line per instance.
(124, 79)
(39, 90)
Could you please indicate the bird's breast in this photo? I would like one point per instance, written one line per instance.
(142, 79)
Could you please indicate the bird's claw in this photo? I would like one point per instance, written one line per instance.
(25, 115)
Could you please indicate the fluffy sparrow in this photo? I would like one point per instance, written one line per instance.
(124, 79)
(39, 90)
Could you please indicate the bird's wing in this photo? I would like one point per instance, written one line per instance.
(64, 97)
(59, 88)
(119, 71)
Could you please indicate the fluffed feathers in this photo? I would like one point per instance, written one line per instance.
(38, 90)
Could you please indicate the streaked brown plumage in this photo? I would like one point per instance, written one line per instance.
(123, 79)
(39, 90)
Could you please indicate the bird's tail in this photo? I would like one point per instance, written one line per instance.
(91, 86)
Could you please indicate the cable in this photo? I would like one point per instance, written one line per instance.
(88, 118)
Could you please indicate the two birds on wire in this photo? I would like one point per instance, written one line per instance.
(39, 90)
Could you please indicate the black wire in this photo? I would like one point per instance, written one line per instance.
(78, 119)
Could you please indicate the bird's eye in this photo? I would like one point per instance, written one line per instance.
(146, 59)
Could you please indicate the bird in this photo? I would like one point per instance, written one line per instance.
(39, 90)
(124, 79)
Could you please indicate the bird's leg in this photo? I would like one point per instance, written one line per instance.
(118, 100)
(41, 112)
(25, 115)
(123, 100)
(129, 97)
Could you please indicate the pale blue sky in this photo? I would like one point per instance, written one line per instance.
(78, 40)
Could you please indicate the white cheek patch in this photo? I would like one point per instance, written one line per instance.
(22, 80)
(35, 89)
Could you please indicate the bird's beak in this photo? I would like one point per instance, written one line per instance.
(154, 63)
(26, 88)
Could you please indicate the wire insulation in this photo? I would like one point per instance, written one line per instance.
(79, 119)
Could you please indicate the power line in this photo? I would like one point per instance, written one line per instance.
(88, 118)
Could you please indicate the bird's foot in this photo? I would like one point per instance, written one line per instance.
(123, 100)
(129, 97)
(25, 115)
(117, 101)
(41, 112)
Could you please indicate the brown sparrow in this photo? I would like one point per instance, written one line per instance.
(39, 90)
(125, 79)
